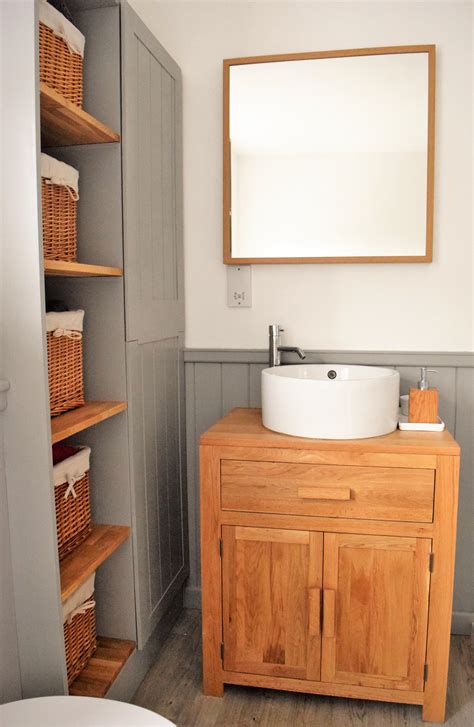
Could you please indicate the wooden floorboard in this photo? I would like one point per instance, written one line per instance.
(172, 688)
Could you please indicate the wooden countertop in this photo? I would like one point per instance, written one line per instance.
(243, 427)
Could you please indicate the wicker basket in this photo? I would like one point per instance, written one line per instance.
(60, 68)
(72, 497)
(59, 209)
(65, 371)
(80, 640)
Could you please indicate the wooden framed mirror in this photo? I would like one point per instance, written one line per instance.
(329, 156)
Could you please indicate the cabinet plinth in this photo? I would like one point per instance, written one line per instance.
(317, 562)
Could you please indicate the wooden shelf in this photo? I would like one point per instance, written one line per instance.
(65, 124)
(88, 556)
(93, 412)
(80, 270)
(102, 668)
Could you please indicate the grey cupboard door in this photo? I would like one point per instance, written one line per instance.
(154, 308)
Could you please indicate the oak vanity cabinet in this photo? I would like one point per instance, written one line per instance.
(327, 566)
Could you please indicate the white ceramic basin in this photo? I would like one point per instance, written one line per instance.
(325, 401)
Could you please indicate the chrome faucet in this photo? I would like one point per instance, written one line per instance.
(274, 349)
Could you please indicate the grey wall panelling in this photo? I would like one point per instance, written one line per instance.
(217, 381)
(464, 430)
(154, 306)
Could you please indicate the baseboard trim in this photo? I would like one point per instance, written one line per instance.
(462, 623)
(142, 660)
(456, 359)
(192, 597)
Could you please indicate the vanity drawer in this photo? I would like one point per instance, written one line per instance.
(373, 493)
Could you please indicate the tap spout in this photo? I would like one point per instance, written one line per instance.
(274, 349)
(293, 349)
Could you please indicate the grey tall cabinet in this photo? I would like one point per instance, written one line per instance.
(154, 305)
(130, 216)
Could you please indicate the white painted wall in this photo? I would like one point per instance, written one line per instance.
(397, 307)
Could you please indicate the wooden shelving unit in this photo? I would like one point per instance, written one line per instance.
(102, 668)
(93, 412)
(64, 124)
(80, 270)
(87, 557)
(109, 214)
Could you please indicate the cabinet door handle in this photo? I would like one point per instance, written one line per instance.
(329, 613)
(324, 493)
(314, 611)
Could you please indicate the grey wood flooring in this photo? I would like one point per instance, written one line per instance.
(172, 688)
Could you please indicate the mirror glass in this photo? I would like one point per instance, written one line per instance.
(328, 159)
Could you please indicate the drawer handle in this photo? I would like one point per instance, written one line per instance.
(314, 611)
(329, 613)
(324, 493)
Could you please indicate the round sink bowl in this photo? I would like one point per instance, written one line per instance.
(326, 401)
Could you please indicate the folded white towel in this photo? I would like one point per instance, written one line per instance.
(70, 320)
(62, 27)
(57, 172)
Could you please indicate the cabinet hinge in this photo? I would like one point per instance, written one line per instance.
(425, 673)
(431, 564)
(222, 652)
(220, 547)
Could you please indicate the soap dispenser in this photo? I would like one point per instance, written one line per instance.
(423, 401)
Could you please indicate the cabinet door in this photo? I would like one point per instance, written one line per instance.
(151, 103)
(152, 184)
(375, 610)
(271, 601)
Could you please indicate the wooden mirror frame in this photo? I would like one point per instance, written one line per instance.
(428, 256)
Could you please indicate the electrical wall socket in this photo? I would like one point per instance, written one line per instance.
(239, 286)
